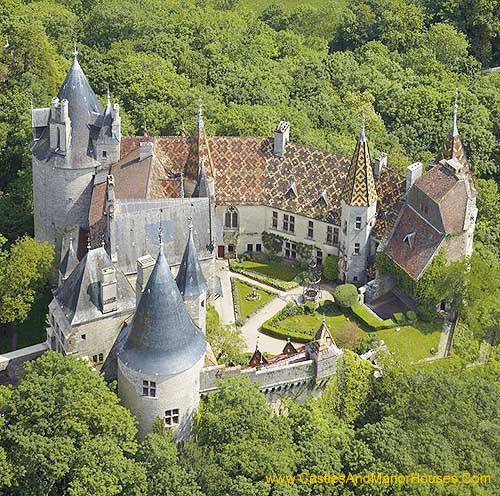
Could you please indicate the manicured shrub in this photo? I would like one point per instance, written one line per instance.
(399, 318)
(346, 295)
(328, 307)
(309, 307)
(290, 310)
(330, 267)
(411, 316)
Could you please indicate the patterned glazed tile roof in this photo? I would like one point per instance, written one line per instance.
(247, 173)
(413, 242)
(359, 189)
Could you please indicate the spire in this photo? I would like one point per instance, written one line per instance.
(108, 100)
(82, 107)
(69, 261)
(201, 190)
(201, 124)
(453, 147)
(75, 52)
(163, 339)
(359, 188)
(257, 358)
(190, 279)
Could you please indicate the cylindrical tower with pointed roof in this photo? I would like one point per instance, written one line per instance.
(160, 364)
(65, 155)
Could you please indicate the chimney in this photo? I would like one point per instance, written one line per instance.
(146, 150)
(108, 289)
(145, 266)
(414, 171)
(379, 164)
(281, 138)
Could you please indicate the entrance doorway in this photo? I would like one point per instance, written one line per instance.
(221, 251)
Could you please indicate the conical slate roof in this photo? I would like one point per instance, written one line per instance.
(163, 340)
(82, 101)
(359, 189)
(201, 190)
(69, 261)
(190, 279)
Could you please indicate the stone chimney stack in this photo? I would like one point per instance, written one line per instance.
(379, 164)
(146, 150)
(108, 289)
(116, 129)
(281, 138)
(414, 171)
(145, 266)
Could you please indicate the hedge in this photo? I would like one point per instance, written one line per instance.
(270, 281)
(371, 320)
(275, 332)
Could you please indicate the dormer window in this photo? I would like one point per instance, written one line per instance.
(104, 154)
(322, 199)
(291, 192)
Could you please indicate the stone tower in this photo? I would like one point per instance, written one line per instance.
(71, 138)
(192, 284)
(160, 364)
(359, 208)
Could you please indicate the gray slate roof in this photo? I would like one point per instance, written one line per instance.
(163, 339)
(201, 190)
(69, 261)
(190, 279)
(135, 226)
(78, 295)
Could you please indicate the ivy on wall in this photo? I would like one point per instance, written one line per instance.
(273, 243)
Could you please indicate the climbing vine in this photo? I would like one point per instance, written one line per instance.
(273, 243)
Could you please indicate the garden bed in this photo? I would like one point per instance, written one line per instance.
(278, 273)
(245, 304)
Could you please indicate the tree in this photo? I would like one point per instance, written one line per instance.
(330, 267)
(65, 432)
(346, 295)
(25, 271)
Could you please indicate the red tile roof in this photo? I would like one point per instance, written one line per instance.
(413, 256)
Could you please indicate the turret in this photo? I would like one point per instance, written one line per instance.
(359, 207)
(109, 139)
(192, 284)
(160, 364)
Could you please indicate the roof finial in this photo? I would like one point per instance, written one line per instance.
(160, 231)
(89, 244)
(108, 95)
(455, 112)
(190, 224)
(75, 51)
(201, 124)
(257, 344)
(362, 136)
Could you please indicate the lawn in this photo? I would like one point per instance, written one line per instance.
(410, 343)
(245, 305)
(32, 330)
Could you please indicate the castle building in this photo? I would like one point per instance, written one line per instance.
(134, 304)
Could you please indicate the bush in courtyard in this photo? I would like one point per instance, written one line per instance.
(399, 318)
(309, 307)
(330, 267)
(369, 342)
(290, 310)
(328, 307)
(346, 295)
(426, 312)
(411, 316)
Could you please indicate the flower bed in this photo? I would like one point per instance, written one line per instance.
(244, 303)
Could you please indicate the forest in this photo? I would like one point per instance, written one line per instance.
(319, 65)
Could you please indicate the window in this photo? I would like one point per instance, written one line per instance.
(258, 247)
(104, 154)
(310, 229)
(356, 248)
(358, 223)
(149, 388)
(230, 248)
(319, 257)
(231, 218)
(345, 227)
(285, 222)
(329, 235)
(292, 223)
(202, 303)
(335, 235)
(172, 417)
(275, 220)
(249, 247)
(290, 250)
(84, 337)
(355, 278)
(97, 359)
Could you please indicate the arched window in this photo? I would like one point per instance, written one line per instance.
(231, 218)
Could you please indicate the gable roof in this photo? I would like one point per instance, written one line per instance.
(163, 339)
(69, 261)
(78, 295)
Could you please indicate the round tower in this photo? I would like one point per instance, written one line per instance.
(66, 151)
(192, 284)
(160, 364)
